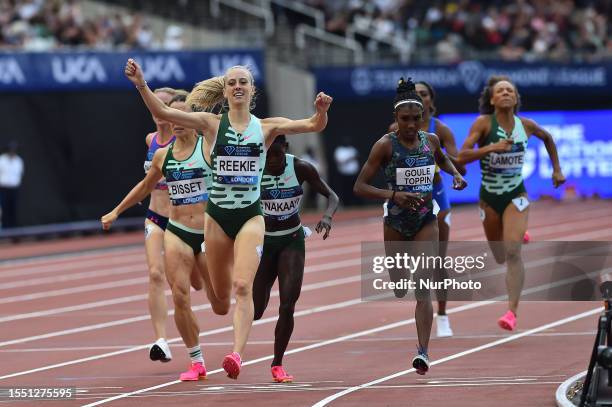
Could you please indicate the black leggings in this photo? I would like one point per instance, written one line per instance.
(283, 257)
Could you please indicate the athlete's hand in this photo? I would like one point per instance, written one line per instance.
(501, 146)
(558, 178)
(459, 182)
(108, 219)
(322, 102)
(324, 223)
(133, 71)
(408, 200)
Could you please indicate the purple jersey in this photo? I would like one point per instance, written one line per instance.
(150, 153)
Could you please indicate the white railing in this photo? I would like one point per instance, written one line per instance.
(401, 45)
(256, 11)
(303, 30)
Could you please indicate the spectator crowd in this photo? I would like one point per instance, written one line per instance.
(445, 30)
(42, 25)
(525, 30)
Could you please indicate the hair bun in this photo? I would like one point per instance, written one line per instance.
(405, 85)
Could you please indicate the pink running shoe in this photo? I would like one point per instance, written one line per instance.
(280, 376)
(508, 321)
(232, 364)
(196, 371)
(526, 237)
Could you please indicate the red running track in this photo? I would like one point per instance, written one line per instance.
(74, 313)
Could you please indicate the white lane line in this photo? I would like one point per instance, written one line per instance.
(74, 290)
(102, 286)
(308, 269)
(118, 258)
(591, 210)
(111, 271)
(71, 308)
(306, 288)
(298, 341)
(139, 266)
(594, 219)
(137, 255)
(334, 251)
(122, 300)
(489, 345)
(31, 263)
(275, 293)
(309, 311)
(296, 350)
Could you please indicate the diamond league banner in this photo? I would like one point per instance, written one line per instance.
(466, 78)
(583, 137)
(60, 71)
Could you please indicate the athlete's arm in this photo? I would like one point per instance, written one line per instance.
(193, 120)
(314, 124)
(478, 131)
(140, 190)
(447, 139)
(309, 173)
(445, 163)
(531, 127)
(379, 156)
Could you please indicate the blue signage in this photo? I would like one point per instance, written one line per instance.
(104, 70)
(467, 77)
(584, 145)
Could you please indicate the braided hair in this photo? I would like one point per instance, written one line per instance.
(406, 94)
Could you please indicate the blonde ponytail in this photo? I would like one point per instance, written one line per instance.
(206, 95)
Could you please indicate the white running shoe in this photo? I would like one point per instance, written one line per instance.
(160, 351)
(421, 363)
(443, 326)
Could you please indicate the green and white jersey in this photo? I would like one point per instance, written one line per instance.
(188, 180)
(238, 161)
(281, 197)
(503, 172)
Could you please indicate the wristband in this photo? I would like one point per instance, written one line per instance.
(141, 87)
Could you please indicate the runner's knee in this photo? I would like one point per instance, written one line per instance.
(286, 308)
(513, 252)
(157, 276)
(180, 296)
(242, 287)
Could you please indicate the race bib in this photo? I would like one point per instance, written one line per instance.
(521, 203)
(237, 165)
(187, 186)
(281, 207)
(416, 179)
(507, 163)
(147, 166)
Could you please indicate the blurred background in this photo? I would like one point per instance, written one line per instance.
(76, 127)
